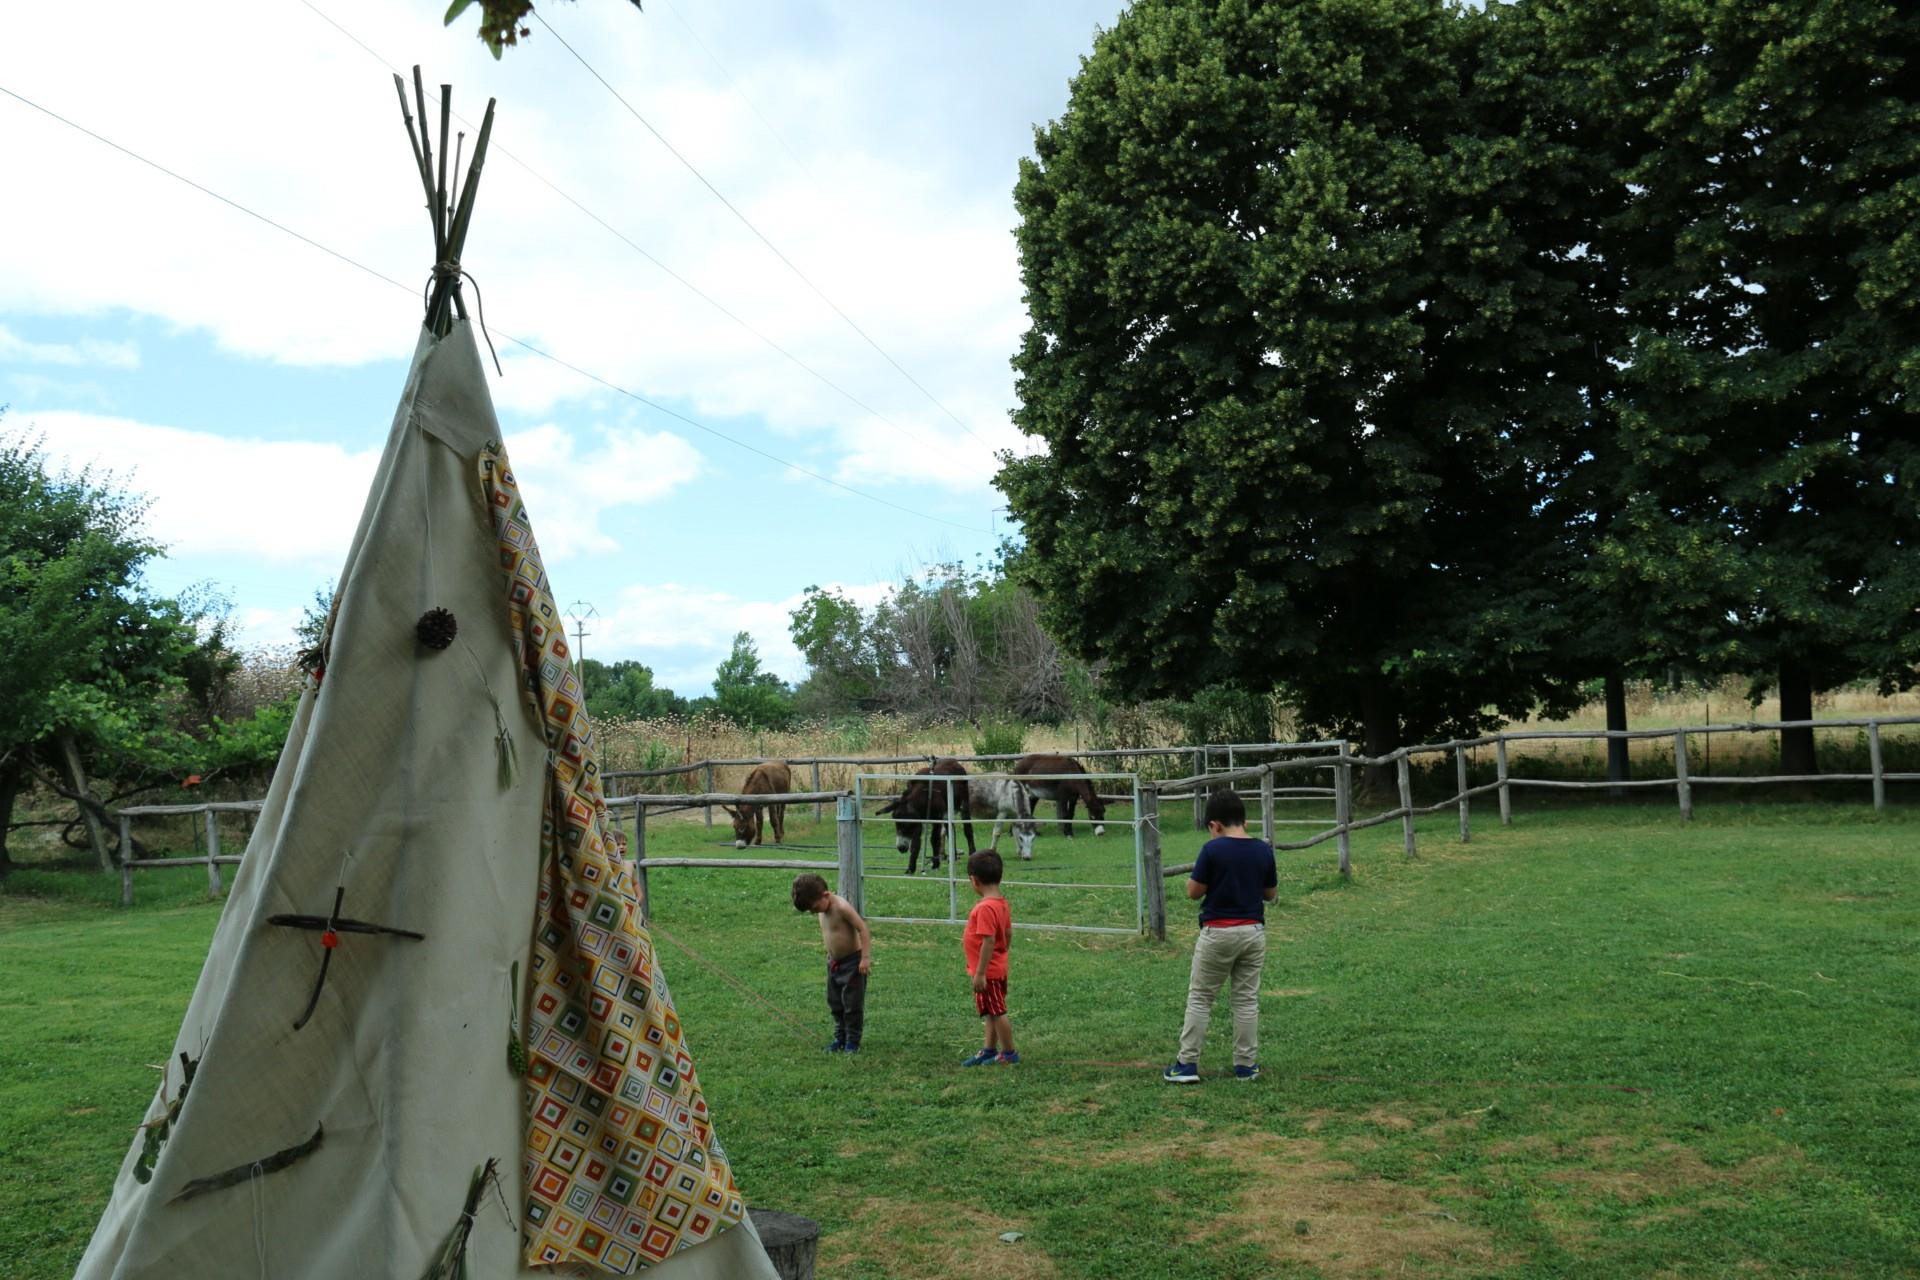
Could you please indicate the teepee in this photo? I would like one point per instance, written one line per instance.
(432, 1032)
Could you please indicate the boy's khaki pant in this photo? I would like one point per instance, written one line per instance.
(1232, 955)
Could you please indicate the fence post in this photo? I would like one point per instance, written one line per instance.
(816, 791)
(1266, 805)
(1199, 791)
(1681, 786)
(709, 791)
(1404, 772)
(1500, 764)
(1873, 755)
(846, 813)
(1156, 886)
(1343, 812)
(1460, 775)
(638, 849)
(126, 861)
(214, 886)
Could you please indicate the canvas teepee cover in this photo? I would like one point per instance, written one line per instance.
(434, 831)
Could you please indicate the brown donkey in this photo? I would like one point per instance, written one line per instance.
(749, 821)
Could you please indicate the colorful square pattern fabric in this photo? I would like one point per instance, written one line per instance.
(622, 1166)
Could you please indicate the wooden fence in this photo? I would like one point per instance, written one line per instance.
(1342, 764)
(212, 859)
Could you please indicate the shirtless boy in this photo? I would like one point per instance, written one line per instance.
(849, 956)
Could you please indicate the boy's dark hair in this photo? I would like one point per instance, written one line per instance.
(985, 867)
(1225, 807)
(807, 890)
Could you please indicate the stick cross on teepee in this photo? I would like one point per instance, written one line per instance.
(331, 926)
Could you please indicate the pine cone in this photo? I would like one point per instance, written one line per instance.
(436, 628)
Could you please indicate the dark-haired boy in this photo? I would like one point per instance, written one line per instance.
(849, 957)
(988, 935)
(1234, 878)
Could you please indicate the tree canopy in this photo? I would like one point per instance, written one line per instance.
(99, 669)
(1425, 360)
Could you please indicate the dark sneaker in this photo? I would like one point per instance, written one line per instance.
(1181, 1073)
(836, 1046)
(1247, 1073)
(981, 1058)
(851, 1046)
(1009, 1057)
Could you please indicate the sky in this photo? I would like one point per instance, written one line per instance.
(765, 182)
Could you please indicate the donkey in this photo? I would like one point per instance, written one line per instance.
(1004, 800)
(923, 807)
(1063, 792)
(749, 821)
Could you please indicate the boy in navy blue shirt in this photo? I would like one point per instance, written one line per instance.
(1234, 878)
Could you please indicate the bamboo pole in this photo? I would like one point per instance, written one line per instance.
(1266, 805)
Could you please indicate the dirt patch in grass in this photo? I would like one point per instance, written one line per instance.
(1666, 1171)
(1303, 1206)
(910, 1239)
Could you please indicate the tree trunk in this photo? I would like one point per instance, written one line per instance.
(1380, 729)
(10, 776)
(77, 774)
(1796, 703)
(1619, 766)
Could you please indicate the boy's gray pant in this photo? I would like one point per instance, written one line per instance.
(1232, 956)
(847, 998)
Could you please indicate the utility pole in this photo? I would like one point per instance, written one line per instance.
(579, 613)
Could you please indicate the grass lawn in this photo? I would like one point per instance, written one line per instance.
(1596, 1043)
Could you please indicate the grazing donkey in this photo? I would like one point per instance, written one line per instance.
(923, 807)
(1063, 792)
(1005, 800)
(749, 822)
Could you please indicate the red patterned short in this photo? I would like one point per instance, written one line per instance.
(992, 1003)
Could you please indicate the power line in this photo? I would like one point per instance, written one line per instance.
(675, 276)
(521, 342)
(761, 236)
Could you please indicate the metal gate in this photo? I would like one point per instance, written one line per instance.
(959, 894)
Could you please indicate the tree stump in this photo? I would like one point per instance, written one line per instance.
(790, 1241)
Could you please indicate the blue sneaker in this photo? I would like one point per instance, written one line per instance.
(851, 1046)
(836, 1046)
(1247, 1073)
(1181, 1073)
(981, 1059)
(1009, 1057)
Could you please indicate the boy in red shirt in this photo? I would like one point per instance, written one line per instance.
(988, 934)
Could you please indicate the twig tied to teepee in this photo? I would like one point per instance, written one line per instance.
(451, 1262)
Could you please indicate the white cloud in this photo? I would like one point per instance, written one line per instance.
(568, 487)
(693, 627)
(211, 495)
(280, 500)
(908, 231)
(87, 351)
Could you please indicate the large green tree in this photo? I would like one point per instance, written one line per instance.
(1769, 160)
(1295, 272)
(93, 662)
